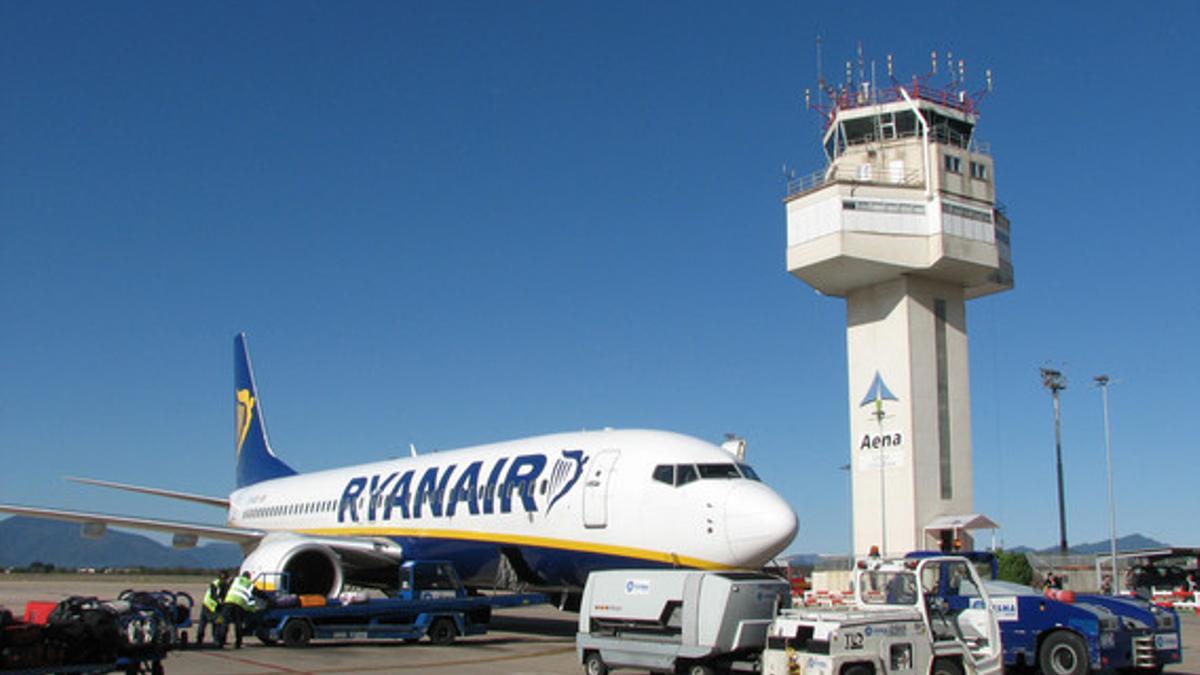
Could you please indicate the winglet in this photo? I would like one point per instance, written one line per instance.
(255, 460)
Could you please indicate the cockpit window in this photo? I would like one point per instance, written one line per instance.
(748, 472)
(685, 473)
(682, 474)
(718, 471)
(665, 473)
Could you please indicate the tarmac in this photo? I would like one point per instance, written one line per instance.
(526, 641)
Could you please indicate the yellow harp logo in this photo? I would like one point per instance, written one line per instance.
(245, 413)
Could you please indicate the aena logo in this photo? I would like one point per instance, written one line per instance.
(877, 393)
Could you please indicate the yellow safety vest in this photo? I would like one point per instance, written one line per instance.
(241, 593)
(210, 596)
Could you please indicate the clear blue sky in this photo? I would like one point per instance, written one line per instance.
(452, 223)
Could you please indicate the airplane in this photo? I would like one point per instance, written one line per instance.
(538, 512)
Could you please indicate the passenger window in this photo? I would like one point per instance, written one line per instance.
(665, 473)
(684, 474)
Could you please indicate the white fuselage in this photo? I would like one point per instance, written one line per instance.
(565, 503)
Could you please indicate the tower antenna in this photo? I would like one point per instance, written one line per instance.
(820, 75)
(862, 75)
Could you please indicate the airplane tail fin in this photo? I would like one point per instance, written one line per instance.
(255, 460)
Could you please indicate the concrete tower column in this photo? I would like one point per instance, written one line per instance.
(910, 410)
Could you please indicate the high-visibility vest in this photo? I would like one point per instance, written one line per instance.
(210, 596)
(241, 593)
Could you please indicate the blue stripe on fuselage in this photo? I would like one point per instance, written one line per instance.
(477, 562)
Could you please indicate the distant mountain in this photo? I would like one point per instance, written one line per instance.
(1130, 542)
(26, 540)
(801, 559)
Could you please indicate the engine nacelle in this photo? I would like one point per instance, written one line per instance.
(311, 567)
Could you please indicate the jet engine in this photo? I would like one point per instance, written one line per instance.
(320, 566)
(301, 565)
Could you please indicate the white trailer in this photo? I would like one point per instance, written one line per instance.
(676, 620)
(900, 624)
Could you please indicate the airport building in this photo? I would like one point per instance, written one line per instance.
(903, 223)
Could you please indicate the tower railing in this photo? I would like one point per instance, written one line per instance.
(852, 98)
(800, 185)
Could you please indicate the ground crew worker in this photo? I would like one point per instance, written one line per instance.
(239, 602)
(213, 596)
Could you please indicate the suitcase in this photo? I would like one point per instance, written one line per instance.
(39, 612)
(285, 601)
(312, 601)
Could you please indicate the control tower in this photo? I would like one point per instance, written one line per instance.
(903, 224)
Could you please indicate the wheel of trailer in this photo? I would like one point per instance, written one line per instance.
(699, 669)
(947, 667)
(442, 631)
(1063, 653)
(264, 636)
(858, 669)
(296, 633)
(594, 665)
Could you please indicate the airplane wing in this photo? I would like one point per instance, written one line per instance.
(159, 492)
(184, 532)
(363, 551)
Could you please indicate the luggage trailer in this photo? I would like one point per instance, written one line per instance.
(432, 603)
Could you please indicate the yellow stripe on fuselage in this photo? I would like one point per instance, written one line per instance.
(543, 542)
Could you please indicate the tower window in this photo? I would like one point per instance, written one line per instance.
(979, 171)
(953, 164)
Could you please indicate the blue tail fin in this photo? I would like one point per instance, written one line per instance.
(255, 461)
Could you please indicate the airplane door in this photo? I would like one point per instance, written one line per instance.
(595, 490)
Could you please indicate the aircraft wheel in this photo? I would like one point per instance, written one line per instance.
(947, 667)
(442, 631)
(594, 665)
(1064, 653)
(296, 633)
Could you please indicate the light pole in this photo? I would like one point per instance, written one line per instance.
(1055, 381)
(1102, 382)
(879, 416)
(850, 495)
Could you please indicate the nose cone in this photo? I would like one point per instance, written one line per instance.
(758, 524)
